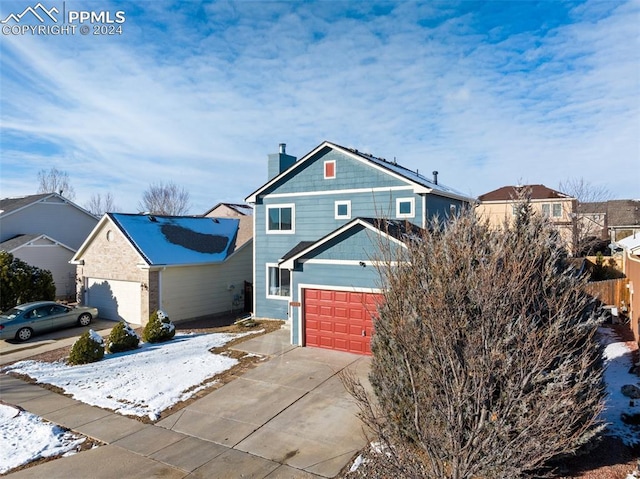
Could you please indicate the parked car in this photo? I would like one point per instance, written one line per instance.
(28, 319)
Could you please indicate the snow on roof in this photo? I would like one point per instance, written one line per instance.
(174, 240)
(411, 175)
(630, 242)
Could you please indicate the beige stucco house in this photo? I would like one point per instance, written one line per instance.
(45, 230)
(500, 205)
(630, 251)
(133, 264)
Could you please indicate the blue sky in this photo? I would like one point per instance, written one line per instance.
(198, 93)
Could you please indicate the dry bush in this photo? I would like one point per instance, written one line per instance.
(485, 360)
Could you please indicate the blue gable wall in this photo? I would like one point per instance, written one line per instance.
(372, 192)
(314, 198)
(350, 174)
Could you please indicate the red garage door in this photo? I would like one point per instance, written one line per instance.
(339, 319)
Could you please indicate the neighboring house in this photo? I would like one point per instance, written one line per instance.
(244, 213)
(318, 225)
(631, 268)
(500, 205)
(233, 210)
(45, 230)
(613, 219)
(131, 265)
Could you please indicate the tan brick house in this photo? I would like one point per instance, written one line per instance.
(500, 205)
(131, 265)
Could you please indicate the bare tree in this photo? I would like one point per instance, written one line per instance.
(590, 227)
(584, 191)
(99, 205)
(165, 199)
(55, 181)
(485, 357)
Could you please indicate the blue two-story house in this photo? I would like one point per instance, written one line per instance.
(318, 226)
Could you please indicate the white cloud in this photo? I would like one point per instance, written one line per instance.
(202, 93)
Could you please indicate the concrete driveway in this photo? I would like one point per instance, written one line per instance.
(288, 417)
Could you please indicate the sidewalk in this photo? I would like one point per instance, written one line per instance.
(288, 417)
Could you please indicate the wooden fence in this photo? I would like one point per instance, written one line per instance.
(613, 292)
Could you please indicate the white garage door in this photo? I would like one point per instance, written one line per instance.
(115, 299)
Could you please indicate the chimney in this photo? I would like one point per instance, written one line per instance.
(435, 177)
(278, 162)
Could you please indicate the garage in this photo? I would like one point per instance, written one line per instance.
(339, 320)
(115, 299)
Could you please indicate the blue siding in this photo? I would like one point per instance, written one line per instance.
(350, 174)
(358, 244)
(314, 198)
(440, 206)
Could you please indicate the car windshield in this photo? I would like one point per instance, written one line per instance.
(12, 313)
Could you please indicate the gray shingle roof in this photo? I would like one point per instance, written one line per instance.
(7, 205)
(16, 242)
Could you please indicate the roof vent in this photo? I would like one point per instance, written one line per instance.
(435, 177)
(283, 147)
(152, 218)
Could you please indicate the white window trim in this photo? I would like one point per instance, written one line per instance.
(340, 203)
(324, 170)
(293, 219)
(273, 296)
(413, 208)
(553, 210)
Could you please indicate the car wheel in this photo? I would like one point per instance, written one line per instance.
(24, 333)
(84, 319)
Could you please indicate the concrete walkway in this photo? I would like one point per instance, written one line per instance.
(290, 417)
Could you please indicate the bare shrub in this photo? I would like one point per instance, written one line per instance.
(485, 358)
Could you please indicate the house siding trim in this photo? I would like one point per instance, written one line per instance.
(418, 188)
(30, 244)
(290, 262)
(63, 202)
(340, 192)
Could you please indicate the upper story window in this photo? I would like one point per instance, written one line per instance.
(329, 169)
(343, 210)
(405, 207)
(281, 219)
(552, 209)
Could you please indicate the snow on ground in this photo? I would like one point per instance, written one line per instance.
(618, 361)
(25, 437)
(143, 382)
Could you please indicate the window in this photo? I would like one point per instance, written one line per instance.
(58, 309)
(329, 169)
(278, 282)
(546, 209)
(280, 219)
(405, 208)
(557, 210)
(343, 210)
